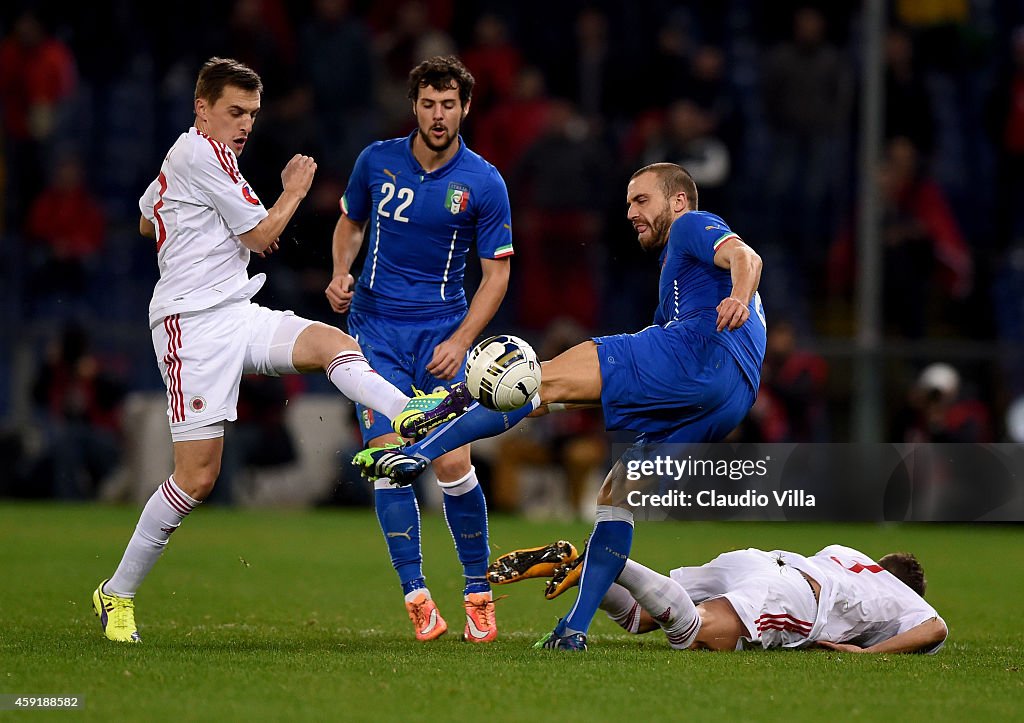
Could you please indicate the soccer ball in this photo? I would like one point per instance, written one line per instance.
(503, 373)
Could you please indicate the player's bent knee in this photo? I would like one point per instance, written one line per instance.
(317, 345)
(197, 482)
(202, 486)
(453, 469)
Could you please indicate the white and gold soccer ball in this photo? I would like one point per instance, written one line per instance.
(503, 372)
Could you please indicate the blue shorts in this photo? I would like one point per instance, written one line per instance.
(671, 385)
(400, 352)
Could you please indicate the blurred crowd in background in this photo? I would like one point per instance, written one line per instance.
(758, 100)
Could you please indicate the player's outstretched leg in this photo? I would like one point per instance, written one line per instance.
(477, 423)
(531, 562)
(391, 462)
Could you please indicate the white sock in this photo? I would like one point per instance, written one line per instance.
(460, 486)
(160, 517)
(356, 379)
(410, 596)
(665, 600)
(622, 608)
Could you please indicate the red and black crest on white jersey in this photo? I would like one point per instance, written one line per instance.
(249, 195)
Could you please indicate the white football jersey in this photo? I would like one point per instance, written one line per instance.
(200, 204)
(860, 602)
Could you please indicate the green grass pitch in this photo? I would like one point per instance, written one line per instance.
(284, 615)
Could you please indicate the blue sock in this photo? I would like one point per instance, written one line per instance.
(399, 517)
(607, 553)
(465, 511)
(478, 423)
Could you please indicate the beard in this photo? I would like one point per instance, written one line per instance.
(437, 147)
(658, 231)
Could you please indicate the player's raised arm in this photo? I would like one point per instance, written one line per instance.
(348, 239)
(745, 267)
(450, 355)
(296, 179)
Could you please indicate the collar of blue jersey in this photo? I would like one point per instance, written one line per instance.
(452, 162)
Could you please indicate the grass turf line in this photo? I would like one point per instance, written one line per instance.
(296, 615)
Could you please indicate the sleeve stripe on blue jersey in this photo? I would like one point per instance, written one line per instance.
(725, 237)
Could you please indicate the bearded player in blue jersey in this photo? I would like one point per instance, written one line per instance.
(690, 377)
(426, 199)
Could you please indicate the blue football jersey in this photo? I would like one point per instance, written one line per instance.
(691, 287)
(421, 226)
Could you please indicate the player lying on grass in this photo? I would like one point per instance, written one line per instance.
(838, 598)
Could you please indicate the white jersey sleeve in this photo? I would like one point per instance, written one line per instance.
(149, 199)
(215, 174)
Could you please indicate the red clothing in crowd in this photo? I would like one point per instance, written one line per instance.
(70, 221)
(32, 76)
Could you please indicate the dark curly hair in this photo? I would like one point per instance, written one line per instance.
(441, 73)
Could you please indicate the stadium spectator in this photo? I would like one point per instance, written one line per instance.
(37, 80)
(515, 123)
(588, 71)
(66, 227)
(667, 75)
(424, 201)
(205, 220)
(561, 187)
(1006, 130)
(908, 104)
(336, 57)
(408, 36)
(937, 410)
(495, 63)
(80, 408)
(259, 34)
(688, 138)
(920, 233)
(791, 403)
(839, 598)
(807, 94)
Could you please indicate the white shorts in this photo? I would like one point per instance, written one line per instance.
(202, 356)
(755, 584)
